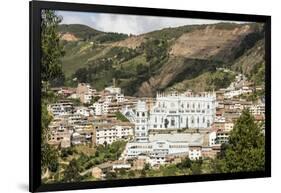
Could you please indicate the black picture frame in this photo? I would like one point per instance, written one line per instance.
(35, 8)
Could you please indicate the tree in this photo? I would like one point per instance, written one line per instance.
(49, 154)
(186, 163)
(245, 151)
(51, 49)
(71, 173)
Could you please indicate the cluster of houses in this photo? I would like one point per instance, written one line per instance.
(239, 87)
(160, 130)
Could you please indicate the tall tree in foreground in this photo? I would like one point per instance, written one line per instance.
(245, 151)
(50, 69)
(52, 51)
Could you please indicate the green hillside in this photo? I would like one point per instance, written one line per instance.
(178, 58)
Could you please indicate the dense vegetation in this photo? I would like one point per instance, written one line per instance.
(75, 163)
(245, 150)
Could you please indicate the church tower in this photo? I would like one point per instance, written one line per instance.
(141, 122)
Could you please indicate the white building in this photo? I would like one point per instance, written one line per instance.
(109, 133)
(195, 152)
(176, 111)
(83, 111)
(60, 109)
(257, 109)
(159, 146)
(98, 108)
(141, 122)
(212, 138)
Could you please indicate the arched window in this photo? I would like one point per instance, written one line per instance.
(143, 114)
(208, 123)
(193, 106)
(203, 119)
(138, 114)
(197, 119)
(192, 120)
(187, 105)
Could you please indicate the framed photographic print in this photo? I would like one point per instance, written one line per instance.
(126, 96)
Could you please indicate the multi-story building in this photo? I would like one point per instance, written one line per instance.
(141, 122)
(160, 146)
(61, 108)
(108, 133)
(258, 109)
(84, 92)
(176, 111)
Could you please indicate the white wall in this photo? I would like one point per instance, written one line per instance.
(14, 94)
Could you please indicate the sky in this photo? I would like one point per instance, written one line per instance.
(128, 24)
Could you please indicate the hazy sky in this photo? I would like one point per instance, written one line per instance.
(129, 24)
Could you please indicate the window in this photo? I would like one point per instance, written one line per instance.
(138, 114)
(208, 123)
(172, 122)
(143, 114)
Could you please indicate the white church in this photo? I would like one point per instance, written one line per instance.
(174, 111)
(170, 111)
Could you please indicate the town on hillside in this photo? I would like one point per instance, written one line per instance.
(155, 131)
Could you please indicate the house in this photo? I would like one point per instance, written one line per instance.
(110, 132)
(97, 173)
(195, 152)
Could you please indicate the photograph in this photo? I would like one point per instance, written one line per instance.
(127, 96)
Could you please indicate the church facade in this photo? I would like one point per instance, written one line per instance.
(173, 111)
(177, 111)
